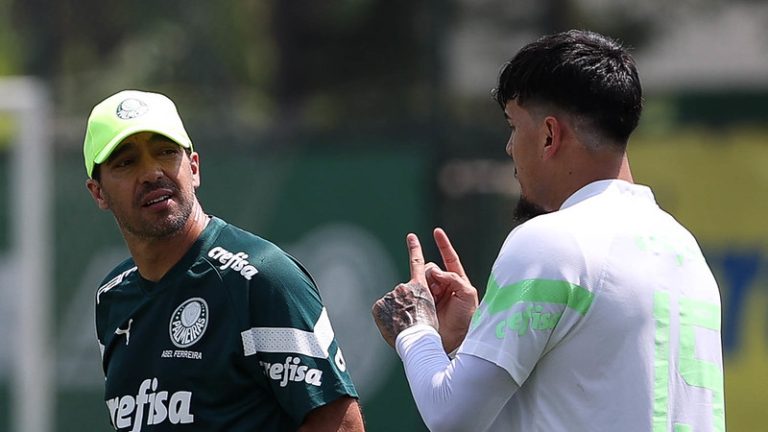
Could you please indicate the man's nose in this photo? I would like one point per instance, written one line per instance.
(151, 171)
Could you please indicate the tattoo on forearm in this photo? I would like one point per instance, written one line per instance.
(405, 306)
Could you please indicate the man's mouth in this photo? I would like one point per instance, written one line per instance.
(155, 197)
(157, 200)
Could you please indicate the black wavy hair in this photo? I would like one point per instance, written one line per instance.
(581, 72)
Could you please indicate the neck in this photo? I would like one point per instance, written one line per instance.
(155, 257)
(592, 168)
(624, 172)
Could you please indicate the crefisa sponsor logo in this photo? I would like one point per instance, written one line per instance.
(291, 370)
(150, 407)
(235, 261)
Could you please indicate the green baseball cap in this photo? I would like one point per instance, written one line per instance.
(126, 113)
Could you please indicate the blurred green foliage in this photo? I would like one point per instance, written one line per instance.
(266, 77)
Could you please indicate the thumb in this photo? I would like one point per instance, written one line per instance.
(436, 286)
(441, 275)
(452, 283)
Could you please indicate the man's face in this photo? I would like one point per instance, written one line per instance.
(149, 185)
(525, 146)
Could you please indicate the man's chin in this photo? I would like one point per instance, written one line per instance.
(156, 228)
(527, 210)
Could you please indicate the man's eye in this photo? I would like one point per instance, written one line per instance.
(123, 163)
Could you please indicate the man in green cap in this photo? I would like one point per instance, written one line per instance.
(206, 326)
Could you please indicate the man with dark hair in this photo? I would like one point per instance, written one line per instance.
(601, 313)
(206, 327)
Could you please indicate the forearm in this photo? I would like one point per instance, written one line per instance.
(464, 394)
(341, 415)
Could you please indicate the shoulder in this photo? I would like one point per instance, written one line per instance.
(241, 254)
(549, 237)
(232, 239)
(567, 245)
(115, 285)
(278, 292)
(116, 277)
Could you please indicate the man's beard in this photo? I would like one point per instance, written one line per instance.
(526, 210)
(167, 227)
(171, 225)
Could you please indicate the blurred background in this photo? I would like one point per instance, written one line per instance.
(333, 128)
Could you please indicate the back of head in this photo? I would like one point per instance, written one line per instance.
(581, 72)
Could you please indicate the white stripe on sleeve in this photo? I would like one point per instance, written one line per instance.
(290, 340)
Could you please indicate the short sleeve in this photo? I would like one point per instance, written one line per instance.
(537, 294)
(291, 340)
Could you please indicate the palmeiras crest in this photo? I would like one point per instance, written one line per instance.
(131, 108)
(188, 322)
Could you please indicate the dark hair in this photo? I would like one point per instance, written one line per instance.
(581, 72)
(96, 172)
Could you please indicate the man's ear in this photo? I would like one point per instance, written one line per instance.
(553, 136)
(94, 187)
(194, 165)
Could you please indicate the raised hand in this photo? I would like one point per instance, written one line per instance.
(455, 297)
(409, 303)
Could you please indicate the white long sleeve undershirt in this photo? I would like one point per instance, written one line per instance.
(463, 394)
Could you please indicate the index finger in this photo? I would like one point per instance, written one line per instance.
(450, 257)
(415, 259)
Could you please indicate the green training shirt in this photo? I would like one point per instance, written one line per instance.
(233, 338)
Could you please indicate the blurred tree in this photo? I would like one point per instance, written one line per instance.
(629, 20)
(298, 64)
(9, 43)
(200, 51)
(370, 61)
